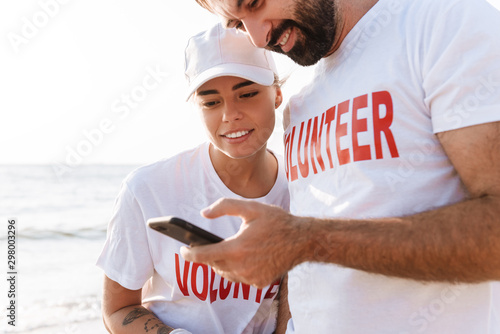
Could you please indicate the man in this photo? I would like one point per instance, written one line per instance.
(393, 162)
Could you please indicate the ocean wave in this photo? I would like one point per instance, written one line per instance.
(81, 233)
(45, 314)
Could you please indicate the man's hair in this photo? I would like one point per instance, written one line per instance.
(204, 4)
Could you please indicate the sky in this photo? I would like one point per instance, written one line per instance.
(87, 82)
(101, 82)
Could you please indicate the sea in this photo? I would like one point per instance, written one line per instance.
(61, 220)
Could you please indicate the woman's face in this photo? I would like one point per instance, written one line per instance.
(238, 114)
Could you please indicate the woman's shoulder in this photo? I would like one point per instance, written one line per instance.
(182, 162)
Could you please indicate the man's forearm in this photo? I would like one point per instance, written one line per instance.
(134, 320)
(458, 243)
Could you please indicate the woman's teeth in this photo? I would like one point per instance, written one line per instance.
(236, 134)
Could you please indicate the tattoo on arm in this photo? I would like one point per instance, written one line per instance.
(151, 324)
(135, 314)
(163, 330)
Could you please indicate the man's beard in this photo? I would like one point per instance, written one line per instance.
(315, 30)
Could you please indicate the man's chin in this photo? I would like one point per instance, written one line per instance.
(301, 58)
(304, 61)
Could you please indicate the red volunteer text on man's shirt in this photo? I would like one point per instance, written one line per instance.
(308, 146)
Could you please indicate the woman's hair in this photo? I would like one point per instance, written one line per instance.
(279, 82)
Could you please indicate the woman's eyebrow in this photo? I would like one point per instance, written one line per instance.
(243, 84)
(235, 87)
(207, 92)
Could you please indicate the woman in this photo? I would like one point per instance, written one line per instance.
(148, 286)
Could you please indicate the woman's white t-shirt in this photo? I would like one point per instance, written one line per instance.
(183, 294)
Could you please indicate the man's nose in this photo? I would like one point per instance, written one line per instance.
(258, 31)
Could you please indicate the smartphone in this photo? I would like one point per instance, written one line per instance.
(183, 231)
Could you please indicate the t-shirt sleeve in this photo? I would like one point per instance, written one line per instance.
(126, 257)
(461, 64)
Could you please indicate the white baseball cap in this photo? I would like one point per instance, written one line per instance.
(226, 52)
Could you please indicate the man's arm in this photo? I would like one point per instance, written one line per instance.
(123, 312)
(457, 243)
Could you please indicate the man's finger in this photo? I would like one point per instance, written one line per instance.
(229, 207)
(204, 254)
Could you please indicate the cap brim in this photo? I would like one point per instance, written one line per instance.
(259, 75)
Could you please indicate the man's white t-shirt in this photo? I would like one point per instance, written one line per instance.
(361, 143)
(184, 294)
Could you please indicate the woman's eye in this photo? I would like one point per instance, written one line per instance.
(248, 95)
(210, 104)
